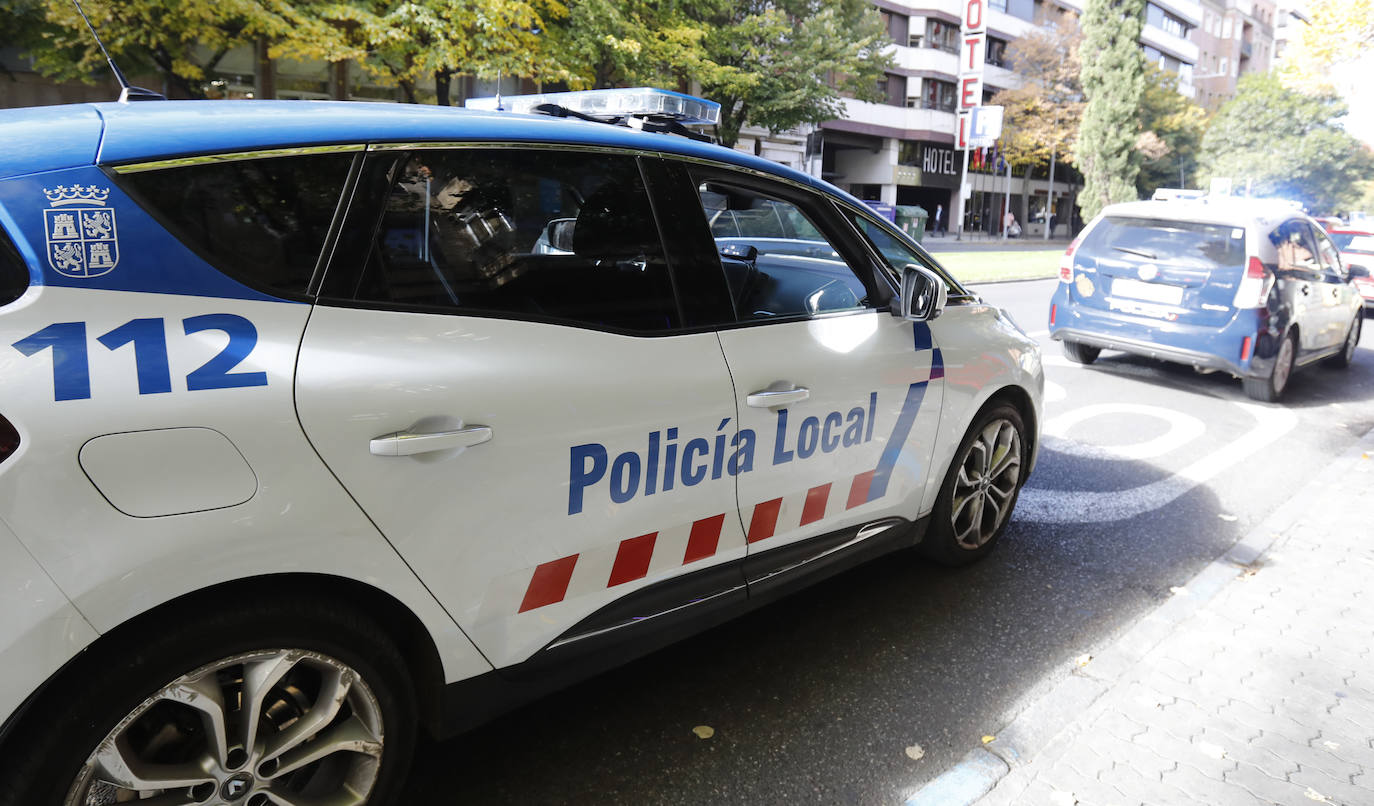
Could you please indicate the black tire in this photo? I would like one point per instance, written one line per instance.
(1346, 356)
(949, 539)
(1081, 353)
(115, 679)
(1269, 389)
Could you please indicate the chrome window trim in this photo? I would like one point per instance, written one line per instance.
(235, 156)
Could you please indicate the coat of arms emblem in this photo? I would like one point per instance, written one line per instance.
(80, 230)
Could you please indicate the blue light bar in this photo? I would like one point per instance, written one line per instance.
(635, 101)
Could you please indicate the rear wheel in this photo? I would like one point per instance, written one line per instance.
(980, 489)
(1270, 389)
(1352, 340)
(1081, 353)
(281, 705)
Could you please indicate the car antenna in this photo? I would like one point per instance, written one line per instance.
(127, 92)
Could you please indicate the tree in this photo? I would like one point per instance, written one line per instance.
(607, 43)
(1338, 32)
(1043, 114)
(180, 39)
(781, 63)
(1113, 78)
(412, 43)
(1280, 142)
(1172, 128)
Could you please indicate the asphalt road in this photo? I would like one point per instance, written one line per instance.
(1149, 471)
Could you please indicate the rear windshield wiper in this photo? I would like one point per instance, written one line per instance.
(1140, 252)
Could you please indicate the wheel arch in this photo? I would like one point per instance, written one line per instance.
(1018, 398)
(415, 643)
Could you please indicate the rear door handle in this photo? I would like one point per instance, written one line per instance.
(771, 398)
(404, 443)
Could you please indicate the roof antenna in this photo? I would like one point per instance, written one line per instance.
(127, 92)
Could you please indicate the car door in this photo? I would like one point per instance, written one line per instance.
(1299, 276)
(1335, 290)
(838, 400)
(497, 370)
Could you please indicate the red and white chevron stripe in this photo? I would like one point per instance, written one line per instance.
(637, 557)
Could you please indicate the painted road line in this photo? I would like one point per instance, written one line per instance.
(1183, 429)
(1080, 506)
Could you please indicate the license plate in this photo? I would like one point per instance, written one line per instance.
(1154, 292)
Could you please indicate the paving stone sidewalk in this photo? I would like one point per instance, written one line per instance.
(1258, 691)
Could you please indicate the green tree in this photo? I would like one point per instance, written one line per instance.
(780, 63)
(608, 43)
(1281, 142)
(180, 39)
(1171, 136)
(1042, 115)
(1113, 78)
(413, 44)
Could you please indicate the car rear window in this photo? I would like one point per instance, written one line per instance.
(261, 221)
(14, 275)
(1354, 242)
(1175, 242)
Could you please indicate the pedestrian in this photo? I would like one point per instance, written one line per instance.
(939, 214)
(1009, 225)
(1054, 219)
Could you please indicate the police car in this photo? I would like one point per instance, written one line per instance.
(324, 421)
(1254, 288)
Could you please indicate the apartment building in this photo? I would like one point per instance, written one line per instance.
(901, 150)
(1236, 37)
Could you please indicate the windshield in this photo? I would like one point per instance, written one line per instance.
(1354, 242)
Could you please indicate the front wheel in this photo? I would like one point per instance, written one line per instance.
(1270, 389)
(274, 706)
(980, 489)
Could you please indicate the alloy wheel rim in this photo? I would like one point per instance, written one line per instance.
(985, 484)
(275, 727)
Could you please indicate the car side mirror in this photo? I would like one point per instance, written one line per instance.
(560, 234)
(924, 294)
(1356, 270)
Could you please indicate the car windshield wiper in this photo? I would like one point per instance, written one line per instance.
(1141, 252)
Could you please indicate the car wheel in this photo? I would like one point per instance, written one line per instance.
(278, 706)
(1271, 388)
(980, 489)
(1081, 353)
(1352, 340)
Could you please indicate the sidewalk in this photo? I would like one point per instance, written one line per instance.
(1252, 685)
(978, 241)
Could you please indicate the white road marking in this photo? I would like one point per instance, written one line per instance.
(1183, 428)
(1081, 506)
(1054, 392)
(1038, 334)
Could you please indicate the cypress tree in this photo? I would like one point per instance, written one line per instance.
(1113, 79)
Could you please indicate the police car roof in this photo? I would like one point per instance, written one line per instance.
(49, 138)
(1224, 210)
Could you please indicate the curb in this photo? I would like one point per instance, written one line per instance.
(1051, 714)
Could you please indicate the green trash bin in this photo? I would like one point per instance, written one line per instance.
(912, 220)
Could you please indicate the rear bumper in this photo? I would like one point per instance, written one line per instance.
(1206, 347)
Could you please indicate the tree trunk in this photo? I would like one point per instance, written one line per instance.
(442, 80)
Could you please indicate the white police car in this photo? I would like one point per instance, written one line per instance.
(322, 421)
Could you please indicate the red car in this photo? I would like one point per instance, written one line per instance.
(1357, 250)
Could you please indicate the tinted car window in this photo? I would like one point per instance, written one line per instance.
(1296, 249)
(777, 261)
(1330, 258)
(261, 221)
(1184, 243)
(538, 234)
(14, 275)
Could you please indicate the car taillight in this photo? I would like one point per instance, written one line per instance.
(9, 439)
(1066, 262)
(1245, 349)
(1254, 287)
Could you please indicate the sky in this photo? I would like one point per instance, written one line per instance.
(1353, 83)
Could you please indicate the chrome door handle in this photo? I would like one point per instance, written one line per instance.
(404, 443)
(771, 398)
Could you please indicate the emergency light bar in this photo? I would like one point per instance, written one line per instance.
(617, 103)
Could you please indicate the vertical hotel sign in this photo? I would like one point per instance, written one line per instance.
(972, 50)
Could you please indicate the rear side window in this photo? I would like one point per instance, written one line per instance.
(14, 275)
(261, 221)
(1181, 243)
(539, 234)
